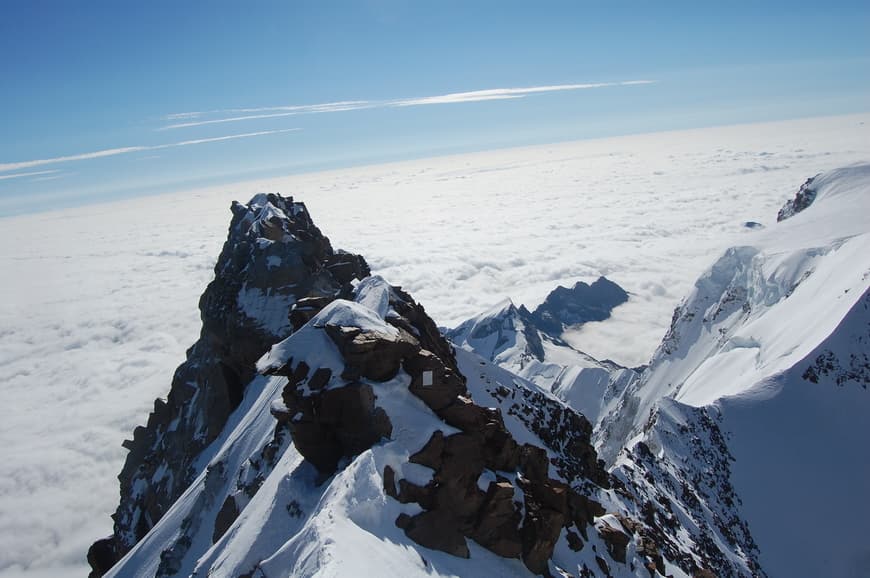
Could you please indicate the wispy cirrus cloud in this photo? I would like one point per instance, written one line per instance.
(27, 174)
(189, 118)
(5, 167)
(504, 93)
(192, 119)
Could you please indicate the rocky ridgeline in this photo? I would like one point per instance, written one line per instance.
(512, 468)
(274, 255)
(333, 418)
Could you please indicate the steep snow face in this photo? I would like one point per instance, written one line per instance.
(761, 308)
(771, 350)
(801, 455)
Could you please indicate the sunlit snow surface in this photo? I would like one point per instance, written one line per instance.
(98, 304)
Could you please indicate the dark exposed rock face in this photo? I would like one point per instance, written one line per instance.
(580, 304)
(332, 418)
(565, 431)
(846, 368)
(274, 255)
(802, 199)
(670, 490)
(521, 513)
(328, 425)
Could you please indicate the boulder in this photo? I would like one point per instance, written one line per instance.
(333, 423)
(615, 540)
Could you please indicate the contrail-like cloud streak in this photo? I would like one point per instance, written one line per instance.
(5, 167)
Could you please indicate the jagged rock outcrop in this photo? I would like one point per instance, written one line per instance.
(520, 512)
(802, 199)
(274, 255)
(580, 304)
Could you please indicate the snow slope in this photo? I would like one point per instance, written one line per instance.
(772, 347)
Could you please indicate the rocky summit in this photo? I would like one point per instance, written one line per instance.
(274, 255)
(310, 371)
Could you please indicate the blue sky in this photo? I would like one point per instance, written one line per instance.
(254, 85)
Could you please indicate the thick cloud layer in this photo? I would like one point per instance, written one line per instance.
(98, 304)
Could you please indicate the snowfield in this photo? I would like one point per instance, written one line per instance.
(99, 303)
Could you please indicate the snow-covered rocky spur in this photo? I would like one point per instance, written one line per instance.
(323, 426)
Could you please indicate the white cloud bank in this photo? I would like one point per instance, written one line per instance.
(5, 167)
(98, 303)
(245, 114)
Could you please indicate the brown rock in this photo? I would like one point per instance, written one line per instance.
(431, 455)
(602, 563)
(497, 527)
(403, 521)
(369, 354)
(468, 416)
(319, 379)
(616, 542)
(437, 530)
(463, 458)
(102, 555)
(583, 511)
(334, 423)
(446, 385)
(306, 308)
(540, 532)
(574, 541)
(423, 495)
(534, 463)
(390, 482)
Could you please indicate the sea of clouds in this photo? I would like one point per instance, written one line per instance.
(99, 303)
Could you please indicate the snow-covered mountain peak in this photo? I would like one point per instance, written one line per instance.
(513, 338)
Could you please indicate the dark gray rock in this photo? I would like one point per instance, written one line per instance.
(274, 256)
(579, 304)
(802, 199)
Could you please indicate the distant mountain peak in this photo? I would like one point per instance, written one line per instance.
(580, 304)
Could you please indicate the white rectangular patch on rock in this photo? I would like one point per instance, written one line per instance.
(427, 378)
